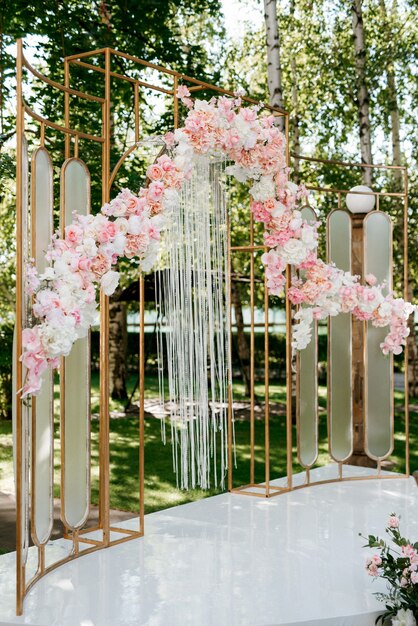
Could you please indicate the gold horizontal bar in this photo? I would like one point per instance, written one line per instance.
(169, 72)
(360, 193)
(63, 129)
(73, 92)
(347, 164)
(92, 529)
(115, 542)
(125, 531)
(83, 55)
(247, 248)
(101, 70)
(94, 542)
(277, 491)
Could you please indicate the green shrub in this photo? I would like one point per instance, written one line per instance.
(6, 357)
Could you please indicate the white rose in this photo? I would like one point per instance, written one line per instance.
(294, 251)
(88, 247)
(263, 189)
(122, 225)
(109, 282)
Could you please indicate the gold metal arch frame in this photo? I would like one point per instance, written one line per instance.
(34, 420)
(363, 417)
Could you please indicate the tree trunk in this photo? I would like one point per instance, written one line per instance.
(242, 345)
(274, 67)
(295, 109)
(399, 184)
(362, 90)
(118, 345)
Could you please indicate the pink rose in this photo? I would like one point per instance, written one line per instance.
(100, 264)
(393, 521)
(155, 172)
(73, 234)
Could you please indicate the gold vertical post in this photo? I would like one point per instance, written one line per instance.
(141, 400)
(176, 102)
(229, 313)
(406, 294)
(20, 576)
(136, 110)
(252, 350)
(104, 330)
(289, 442)
(266, 386)
(67, 107)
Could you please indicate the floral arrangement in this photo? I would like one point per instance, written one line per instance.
(82, 260)
(398, 564)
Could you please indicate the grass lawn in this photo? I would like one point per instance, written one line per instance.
(160, 482)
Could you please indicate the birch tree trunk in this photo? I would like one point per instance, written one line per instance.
(118, 345)
(397, 174)
(274, 67)
(362, 90)
(295, 108)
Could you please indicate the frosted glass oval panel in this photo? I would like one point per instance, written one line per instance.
(379, 368)
(307, 414)
(339, 338)
(42, 513)
(75, 383)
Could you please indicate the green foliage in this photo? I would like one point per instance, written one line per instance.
(6, 342)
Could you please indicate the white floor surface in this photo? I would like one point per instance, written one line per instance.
(230, 560)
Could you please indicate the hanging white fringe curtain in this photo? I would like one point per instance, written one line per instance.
(193, 341)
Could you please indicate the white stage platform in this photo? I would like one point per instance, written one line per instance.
(230, 560)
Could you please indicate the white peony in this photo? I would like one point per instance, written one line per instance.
(58, 337)
(263, 189)
(246, 134)
(404, 617)
(135, 225)
(109, 282)
(119, 244)
(49, 274)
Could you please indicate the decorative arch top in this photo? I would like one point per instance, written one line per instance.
(84, 258)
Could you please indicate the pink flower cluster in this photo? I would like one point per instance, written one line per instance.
(372, 565)
(130, 226)
(64, 296)
(410, 573)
